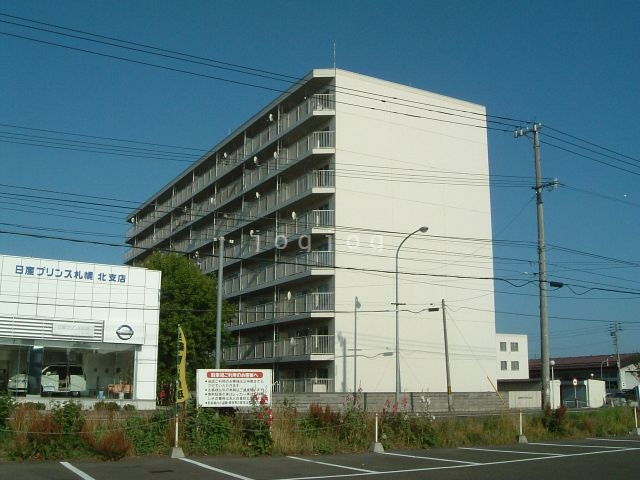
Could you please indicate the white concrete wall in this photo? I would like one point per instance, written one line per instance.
(509, 355)
(596, 392)
(392, 176)
(525, 399)
(629, 376)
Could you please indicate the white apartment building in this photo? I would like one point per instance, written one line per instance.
(315, 197)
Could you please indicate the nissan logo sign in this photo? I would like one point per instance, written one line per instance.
(124, 332)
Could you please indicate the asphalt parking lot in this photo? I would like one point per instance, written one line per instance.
(593, 458)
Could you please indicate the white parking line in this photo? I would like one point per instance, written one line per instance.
(575, 446)
(541, 457)
(613, 440)
(333, 465)
(431, 458)
(510, 451)
(209, 467)
(77, 471)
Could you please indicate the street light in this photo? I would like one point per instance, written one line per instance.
(397, 303)
(606, 360)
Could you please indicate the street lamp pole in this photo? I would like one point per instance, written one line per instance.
(606, 360)
(397, 303)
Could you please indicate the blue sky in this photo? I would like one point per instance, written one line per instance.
(572, 65)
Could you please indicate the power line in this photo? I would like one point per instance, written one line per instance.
(496, 242)
(606, 149)
(513, 282)
(588, 157)
(120, 140)
(263, 87)
(462, 113)
(253, 71)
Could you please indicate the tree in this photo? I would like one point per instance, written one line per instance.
(187, 297)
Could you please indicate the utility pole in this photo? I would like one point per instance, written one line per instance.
(542, 261)
(219, 301)
(615, 329)
(356, 306)
(446, 358)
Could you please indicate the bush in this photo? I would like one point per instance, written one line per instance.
(554, 420)
(66, 431)
(256, 428)
(105, 440)
(353, 428)
(402, 428)
(149, 434)
(319, 420)
(206, 430)
(106, 407)
(47, 435)
(7, 406)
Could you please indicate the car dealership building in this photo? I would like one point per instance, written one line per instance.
(69, 320)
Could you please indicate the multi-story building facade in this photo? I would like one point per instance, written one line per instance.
(311, 199)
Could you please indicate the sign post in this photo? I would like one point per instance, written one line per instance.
(575, 391)
(233, 387)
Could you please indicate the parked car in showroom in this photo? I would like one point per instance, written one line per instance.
(58, 378)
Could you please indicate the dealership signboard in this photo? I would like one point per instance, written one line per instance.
(233, 388)
(72, 301)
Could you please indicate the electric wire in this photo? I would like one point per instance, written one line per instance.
(482, 125)
(573, 152)
(247, 70)
(270, 75)
(512, 282)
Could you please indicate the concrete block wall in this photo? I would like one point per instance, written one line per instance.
(434, 402)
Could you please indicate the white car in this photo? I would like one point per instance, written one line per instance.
(55, 379)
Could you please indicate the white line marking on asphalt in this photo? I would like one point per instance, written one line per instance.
(333, 465)
(479, 465)
(430, 458)
(510, 451)
(209, 467)
(575, 446)
(77, 471)
(614, 440)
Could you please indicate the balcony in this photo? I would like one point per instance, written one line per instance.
(317, 302)
(284, 268)
(304, 385)
(312, 347)
(306, 184)
(319, 104)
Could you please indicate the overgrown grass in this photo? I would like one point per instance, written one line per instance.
(27, 431)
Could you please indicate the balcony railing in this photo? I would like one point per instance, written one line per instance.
(287, 121)
(288, 155)
(270, 201)
(298, 305)
(304, 385)
(275, 349)
(287, 267)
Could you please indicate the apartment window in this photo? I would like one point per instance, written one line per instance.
(503, 366)
(515, 366)
(503, 346)
(514, 346)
